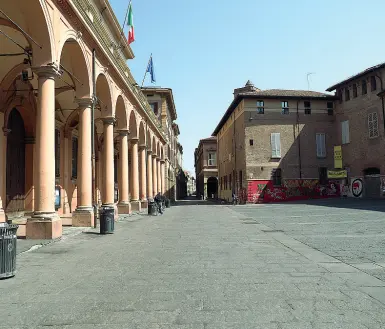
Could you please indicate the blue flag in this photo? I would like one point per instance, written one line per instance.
(150, 69)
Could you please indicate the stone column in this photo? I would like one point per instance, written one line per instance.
(143, 176)
(167, 178)
(135, 203)
(83, 216)
(163, 181)
(108, 165)
(154, 176)
(45, 223)
(159, 176)
(3, 168)
(150, 192)
(124, 206)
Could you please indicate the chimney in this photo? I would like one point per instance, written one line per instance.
(249, 87)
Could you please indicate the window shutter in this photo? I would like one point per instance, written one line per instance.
(370, 125)
(275, 145)
(375, 124)
(317, 140)
(347, 133)
(321, 145)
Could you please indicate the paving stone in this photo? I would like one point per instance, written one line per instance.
(191, 269)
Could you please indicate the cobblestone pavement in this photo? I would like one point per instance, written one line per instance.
(195, 267)
(351, 230)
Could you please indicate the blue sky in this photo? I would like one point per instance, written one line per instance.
(203, 49)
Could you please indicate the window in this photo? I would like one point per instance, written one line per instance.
(373, 124)
(277, 177)
(307, 107)
(364, 87)
(330, 107)
(226, 182)
(354, 90)
(285, 107)
(345, 132)
(321, 145)
(230, 182)
(154, 107)
(275, 145)
(212, 159)
(74, 157)
(251, 141)
(260, 107)
(373, 83)
(347, 94)
(57, 153)
(323, 175)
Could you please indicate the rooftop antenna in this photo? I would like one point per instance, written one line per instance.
(308, 81)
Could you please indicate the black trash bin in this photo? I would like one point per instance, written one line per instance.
(168, 203)
(107, 223)
(152, 208)
(8, 239)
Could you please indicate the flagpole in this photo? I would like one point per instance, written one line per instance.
(146, 70)
(125, 17)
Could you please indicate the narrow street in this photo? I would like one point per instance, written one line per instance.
(206, 266)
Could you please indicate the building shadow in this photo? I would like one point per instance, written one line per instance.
(343, 203)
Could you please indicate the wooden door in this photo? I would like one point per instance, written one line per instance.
(15, 180)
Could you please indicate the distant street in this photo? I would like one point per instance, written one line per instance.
(204, 266)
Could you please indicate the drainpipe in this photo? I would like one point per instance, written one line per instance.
(381, 94)
(299, 142)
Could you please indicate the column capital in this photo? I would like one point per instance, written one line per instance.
(123, 132)
(154, 155)
(49, 71)
(162, 161)
(134, 140)
(84, 102)
(108, 120)
(142, 147)
(149, 152)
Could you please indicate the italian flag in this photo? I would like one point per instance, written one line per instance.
(130, 24)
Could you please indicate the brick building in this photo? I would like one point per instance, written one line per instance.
(360, 124)
(276, 145)
(206, 170)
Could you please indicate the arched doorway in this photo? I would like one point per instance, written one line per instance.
(372, 184)
(212, 187)
(15, 180)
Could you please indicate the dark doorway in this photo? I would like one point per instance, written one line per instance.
(15, 181)
(212, 187)
(372, 184)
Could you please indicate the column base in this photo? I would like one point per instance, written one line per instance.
(144, 205)
(83, 217)
(44, 226)
(124, 208)
(135, 206)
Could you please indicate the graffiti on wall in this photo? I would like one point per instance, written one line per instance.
(291, 189)
(356, 187)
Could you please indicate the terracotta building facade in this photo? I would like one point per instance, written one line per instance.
(206, 170)
(276, 145)
(360, 130)
(67, 64)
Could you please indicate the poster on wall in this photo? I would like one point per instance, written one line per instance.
(356, 187)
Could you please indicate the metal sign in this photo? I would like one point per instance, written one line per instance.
(337, 174)
(338, 157)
